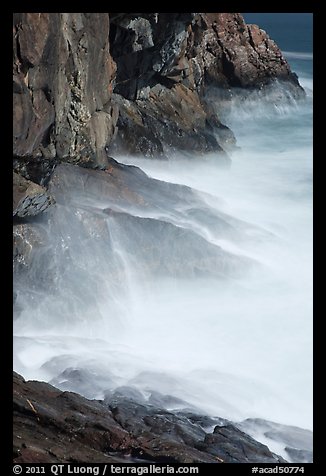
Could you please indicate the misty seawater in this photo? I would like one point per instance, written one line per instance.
(235, 348)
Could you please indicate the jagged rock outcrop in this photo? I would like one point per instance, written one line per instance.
(51, 426)
(168, 120)
(159, 65)
(195, 49)
(166, 65)
(229, 53)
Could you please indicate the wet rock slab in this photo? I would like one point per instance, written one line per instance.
(146, 215)
(52, 426)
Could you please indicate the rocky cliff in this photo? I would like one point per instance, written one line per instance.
(62, 87)
(133, 82)
(87, 85)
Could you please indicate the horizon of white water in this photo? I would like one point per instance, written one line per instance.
(237, 349)
(301, 55)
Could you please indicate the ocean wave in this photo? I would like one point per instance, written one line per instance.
(298, 55)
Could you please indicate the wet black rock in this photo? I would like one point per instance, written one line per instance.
(147, 214)
(233, 446)
(51, 426)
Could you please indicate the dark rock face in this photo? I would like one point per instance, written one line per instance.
(233, 446)
(63, 76)
(159, 110)
(29, 198)
(195, 49)
(166, 65)
(170, 250)
(127, 189)
(52, 426)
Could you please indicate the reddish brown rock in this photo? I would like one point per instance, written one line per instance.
(63, 75)
(240, 55)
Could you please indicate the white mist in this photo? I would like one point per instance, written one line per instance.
(236, 349)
